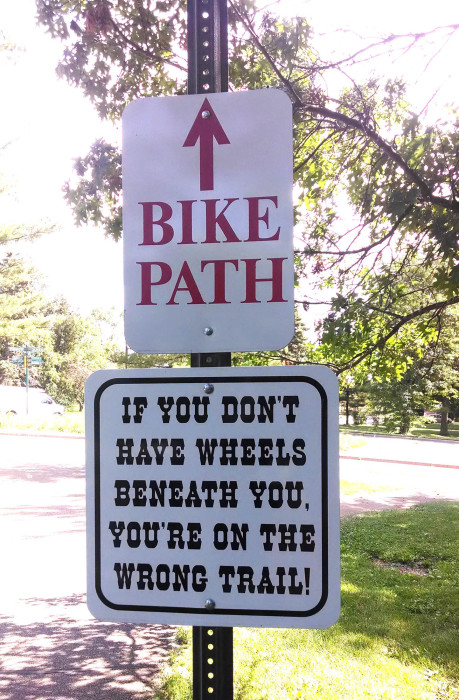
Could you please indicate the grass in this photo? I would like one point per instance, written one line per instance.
(398, 635)
(67, 423)
(431, 431)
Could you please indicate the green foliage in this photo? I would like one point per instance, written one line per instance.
(23, 307)
(376, 184)
(75, 349)
(95, 197)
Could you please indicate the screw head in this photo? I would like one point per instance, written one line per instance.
(209, 604)
(205, 114)
(208, 331)
(208, 388)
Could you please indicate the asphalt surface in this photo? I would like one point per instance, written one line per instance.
(50, 646)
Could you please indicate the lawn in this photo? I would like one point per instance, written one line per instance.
(69, 422)
(398, 635)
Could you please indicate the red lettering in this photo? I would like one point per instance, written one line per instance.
(213, 220)
(190, 286)
(255, 218)
(187, 221)
(145, 280)
(219, 278)
(149, 222)
(251, 280)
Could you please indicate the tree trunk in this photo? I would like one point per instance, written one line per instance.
(444, 417)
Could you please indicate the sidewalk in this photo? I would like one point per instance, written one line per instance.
(399, 450)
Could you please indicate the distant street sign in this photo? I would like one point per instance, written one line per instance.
(208, 222)
(36, 360)
(213, 496)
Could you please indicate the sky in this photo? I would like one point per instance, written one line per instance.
(50, 124)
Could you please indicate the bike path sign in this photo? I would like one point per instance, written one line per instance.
(208, 222)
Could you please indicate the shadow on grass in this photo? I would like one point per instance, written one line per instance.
(72, 656)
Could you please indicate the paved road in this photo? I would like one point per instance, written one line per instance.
(50, 646)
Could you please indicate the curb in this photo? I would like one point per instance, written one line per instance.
(76, 436)
(418, 438)
(400, 461)
(36, 433)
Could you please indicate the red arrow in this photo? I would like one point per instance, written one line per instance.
(205, 129)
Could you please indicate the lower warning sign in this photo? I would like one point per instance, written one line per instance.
(212, 496)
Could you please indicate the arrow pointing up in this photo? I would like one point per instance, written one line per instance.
(205, 129)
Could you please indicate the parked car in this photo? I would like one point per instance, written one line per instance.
(34, 402)
(435, 417)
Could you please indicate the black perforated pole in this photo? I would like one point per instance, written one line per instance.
(207, 30)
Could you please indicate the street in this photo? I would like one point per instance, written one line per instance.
(50, 646)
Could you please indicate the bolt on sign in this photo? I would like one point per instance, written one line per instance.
(213, 499)
(208, 222)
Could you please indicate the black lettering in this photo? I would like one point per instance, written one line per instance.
(228, 447)
(159, 447)
(257, 488)
(117, 530)
(226, 572)
(265, 585)
(200, 417)
(165, 406)
(125, 451)
(266, 408)
(139, 493)
(199, 579)
(299, 447)
(248, 447)
(206, 450)
(157, 492)
(176, 498)
(143, 456)
(266, 457)
(122, 492)
(266, 530)
(183, 409)
(290, 402)
(229, 416)
(193, 498)
(175, 536)
(151, 543)
(275, 497)
(292, 487)
(133, 535)
(124, 575)
(307, 543)
(145, 572)
(228, 494)
(178, 445)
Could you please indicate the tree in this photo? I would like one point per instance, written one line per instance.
(77, 348)
(23, 307)
(376, 184)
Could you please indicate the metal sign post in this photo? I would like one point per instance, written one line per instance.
(207, 26)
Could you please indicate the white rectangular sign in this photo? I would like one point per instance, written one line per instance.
(212, 496)
(208, 222)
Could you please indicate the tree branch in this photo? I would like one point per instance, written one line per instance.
(437, 306)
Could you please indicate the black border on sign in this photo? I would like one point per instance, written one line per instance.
(324, 491)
